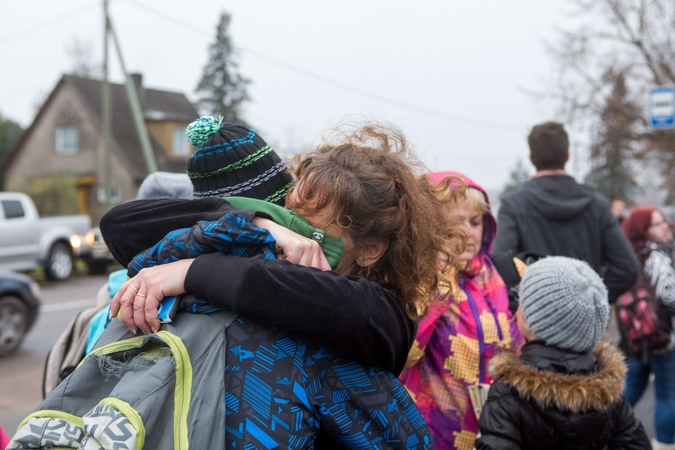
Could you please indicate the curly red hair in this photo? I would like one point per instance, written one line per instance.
(375, 189)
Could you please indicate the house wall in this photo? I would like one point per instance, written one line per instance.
(37, 157)
(162, 131)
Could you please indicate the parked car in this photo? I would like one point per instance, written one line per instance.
(20, 299)
(28, 241)
(93, 251)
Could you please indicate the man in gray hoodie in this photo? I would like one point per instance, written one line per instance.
(551, 214)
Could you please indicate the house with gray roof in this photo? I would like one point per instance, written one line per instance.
(64, 143)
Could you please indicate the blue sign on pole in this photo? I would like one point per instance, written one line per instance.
(661, 107)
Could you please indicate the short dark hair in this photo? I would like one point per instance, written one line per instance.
(549, 146)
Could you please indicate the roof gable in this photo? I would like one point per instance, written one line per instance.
(171, 106)
(156, 105)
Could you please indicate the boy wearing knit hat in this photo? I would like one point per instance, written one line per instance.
(565, 389)
(232, 161)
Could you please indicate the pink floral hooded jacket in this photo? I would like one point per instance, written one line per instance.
(457, 339)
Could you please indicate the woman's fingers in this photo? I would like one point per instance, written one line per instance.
(137, 299)
(294, 247)
(126, 305)
(307, 252)
(139, 313)
(145, 312)
(322, 262)
(115, 302)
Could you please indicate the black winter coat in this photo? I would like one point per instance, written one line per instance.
(554, 399)
(556, 216)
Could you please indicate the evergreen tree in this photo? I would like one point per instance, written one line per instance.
(10, 132)
(222, 89)
(613, 146)
(518, 175)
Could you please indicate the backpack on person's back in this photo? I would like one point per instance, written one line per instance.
(512, 268)
(147, 391)
(644, 323)
(79, 336)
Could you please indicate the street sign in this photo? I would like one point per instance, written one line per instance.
(661, 107)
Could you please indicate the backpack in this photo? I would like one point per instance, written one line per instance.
(642, 320)
(71, 346)
(68, 351)
(132, 392)
(511, 268)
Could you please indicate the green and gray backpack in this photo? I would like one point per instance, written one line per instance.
(160, 391)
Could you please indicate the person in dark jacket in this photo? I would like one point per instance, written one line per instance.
(318, 387)
(565, 389)
(553, 215)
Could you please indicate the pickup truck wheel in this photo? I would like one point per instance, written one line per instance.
(13, 323)
(59, 264)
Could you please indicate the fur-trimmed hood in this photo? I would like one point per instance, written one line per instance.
(576, 382)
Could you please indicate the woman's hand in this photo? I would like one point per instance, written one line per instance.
(293, 247)
(138, 298)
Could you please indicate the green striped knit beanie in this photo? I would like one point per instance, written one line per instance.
(233, 160)
(564, 303)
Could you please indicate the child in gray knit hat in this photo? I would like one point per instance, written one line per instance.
(565, 389)
(165, 185)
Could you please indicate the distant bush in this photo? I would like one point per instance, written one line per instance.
(53, 196)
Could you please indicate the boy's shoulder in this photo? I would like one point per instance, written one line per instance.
(573, 388)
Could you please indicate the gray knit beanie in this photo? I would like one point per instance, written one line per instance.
(165, 185)
(564, 303)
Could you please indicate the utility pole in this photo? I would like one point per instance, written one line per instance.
(576, 160)
(136, 110)
(105, 102)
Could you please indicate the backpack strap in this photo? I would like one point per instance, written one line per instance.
(511, 268)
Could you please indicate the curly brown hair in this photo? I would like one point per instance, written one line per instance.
(375, 189)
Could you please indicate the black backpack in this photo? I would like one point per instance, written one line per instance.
(645, 324)
(511, 268)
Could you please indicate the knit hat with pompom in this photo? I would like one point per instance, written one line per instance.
(233, 160)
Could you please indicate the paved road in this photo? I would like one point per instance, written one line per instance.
(21, 374)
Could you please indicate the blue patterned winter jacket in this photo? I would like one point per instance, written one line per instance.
(283, 391)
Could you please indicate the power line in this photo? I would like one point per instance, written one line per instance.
(329, 81)
(48, 23)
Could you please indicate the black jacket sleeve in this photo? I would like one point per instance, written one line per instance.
(621, 267)
(508, 234)
(359, 318)
(133, 227)
(500, 421)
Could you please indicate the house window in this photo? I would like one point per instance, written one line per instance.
(180, 145)
(13, 209)
(67, 140)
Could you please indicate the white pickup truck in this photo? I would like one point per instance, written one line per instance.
(28, 241)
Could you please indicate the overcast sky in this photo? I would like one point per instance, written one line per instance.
(458, 68)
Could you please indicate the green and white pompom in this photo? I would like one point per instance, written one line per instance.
(198, 132)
